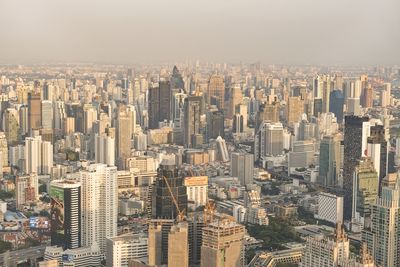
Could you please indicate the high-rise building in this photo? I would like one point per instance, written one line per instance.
(65, 213)
(123, 140)
(47, 157)
(268, 140)
(268, 112)
(47, 114)
(11, 125)
(192, 129)
(222, 149)
(377, 150)
(159, 103)
(176, 79)
(242, 166)
(330, 208)
(356, 131)
(99, 204)
(197, 191)
(121, 249)
(223, 244)
(336, 104)
(329, 161)
(33, 158)
(382, 235)
(3, 149)
(178, 245)
(367, 97)
(215, 124)
(365, 191)
(34, 111)
(236, 98)
(105, 149)
(216, 91)
(164, 204)
(295, 108)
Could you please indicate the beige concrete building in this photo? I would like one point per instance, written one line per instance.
(178, 246)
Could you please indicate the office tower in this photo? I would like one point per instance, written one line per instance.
(317, 108)
(238, 124)
(385, 96)
(177, 80)
(89, 116)
(23, 120)
(123, 140)
(329, 161)
(236, 98)
(11, 125)
(178, 109)
(330, 208)
(356, 130)
(216, 91)
(268, 140)
(336, 104)
(34, 111)
(192, 128)
(26, 189)
(295, 108)
(365, 191)
(382, 235)
(59, 115)
(33, 158)
(99, 204)
(338, 82)
(47, 157)
(102, 124)
(132, 116)
(178, 245)
(377, 150)
(164, 204)
(327, 85)
(159, 103)
(353, 106)
(268, 112)
(223, 244)
(242, 166)
(121, 249)
(215, 124)
(65, 213)
(140, 141)
(3, 149)
(105, 149)
(301, 155)
(222, 149)
(306, 130)
(47, 114)
(318, 87)
(68, 125)
(323, 250)
(367, 97)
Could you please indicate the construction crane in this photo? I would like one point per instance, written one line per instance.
(181, 213)
(209, 211)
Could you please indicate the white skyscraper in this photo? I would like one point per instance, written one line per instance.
(33, 153)
(222, 149)
(99, 204)
(59, 115)
(47, 114)
(132, 116)
(105, 149)
(47, 157)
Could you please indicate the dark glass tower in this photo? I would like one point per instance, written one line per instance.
(165, 207)
(159, 103)
(336, 103)
(353, 136)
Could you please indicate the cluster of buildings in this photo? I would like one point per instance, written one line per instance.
(153, 166)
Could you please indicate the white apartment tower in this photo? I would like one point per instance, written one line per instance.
(99, 204)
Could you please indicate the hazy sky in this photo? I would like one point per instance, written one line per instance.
(133, 31)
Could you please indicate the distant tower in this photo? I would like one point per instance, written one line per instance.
(329, 161)
(123, 140)
(47, 114)
(242, 166)
(34, 111)
(192, 129)
(216, 91)
(336, 104)
(178, 246)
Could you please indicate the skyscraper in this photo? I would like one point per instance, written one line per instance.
(123, 140)
(159, 103)
(242, 166)
(99, 204)
(164, 205)
(47, 114)
(105, 149)
(336, 104)
(34, 111)
(215, 124)
(192, 129)
(355, 132)
(268, 140)
(65, 213)
(382, 237)
(329, 161)
(295, 108)
(178, 246)
(216, 91)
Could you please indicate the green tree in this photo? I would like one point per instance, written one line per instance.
(4, 246)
